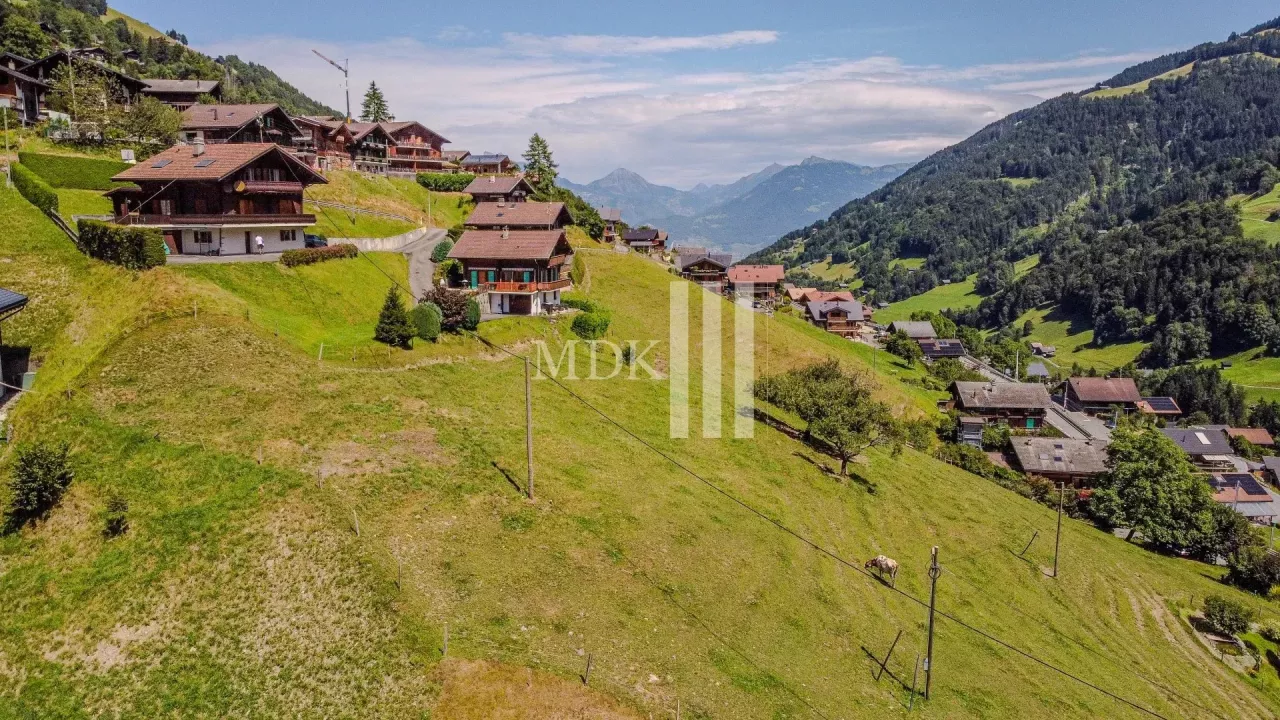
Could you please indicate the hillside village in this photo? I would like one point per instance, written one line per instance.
(275, 387)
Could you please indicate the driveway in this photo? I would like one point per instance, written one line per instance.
(421, 269)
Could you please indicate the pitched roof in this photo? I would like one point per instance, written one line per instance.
(683, 261)
(36, 67)
(1230, 488)
(21, 77)
(1200, 440)
(1062, 456)
(1256, 436)
(939, 348)
(11, 302)
(1012, 396)
(757, 274)
(217, 162)
(454, 155)
(485, 159)
(822, 296)
(498, 185)
(158, 85)
(798, 294)
(488, 214)
(517, 245)
(641, 235)
(1037, 369)
(202, 117)
(1160, 406)
(610, 214)
(1105, 390)
(395, 127)
(915, 329)
(819, 310)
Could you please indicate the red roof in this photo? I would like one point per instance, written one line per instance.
(219, 161)
(757, 274)
(1106, 390)
(199, 117)
(524, 214)
(515, 245)
(1256, 436)
(819, 296)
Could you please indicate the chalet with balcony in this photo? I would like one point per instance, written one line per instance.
(414, 148)
(370, 148)
(519, 216)
(710, 270)
(488, 164)
(763, 282)
(844, 318)
(518, 272)
(1020, 405)
(182, 94)
(323, 143)
(612, 218)
(219, 199)
(1100, 395)
(19, 92)
(219, 124)
(499, 189)
(45, 68)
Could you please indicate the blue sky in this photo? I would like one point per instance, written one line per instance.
(693, 91)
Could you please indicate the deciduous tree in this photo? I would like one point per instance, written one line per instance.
(1151, 488)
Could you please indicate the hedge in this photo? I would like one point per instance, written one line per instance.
(580, 303)
(311, 256)
(36, 191)
(591, 325)
(445, 182)
(76, 173)
(131, 247)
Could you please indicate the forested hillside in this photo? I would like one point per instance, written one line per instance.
(35, 28)
(1068, 179)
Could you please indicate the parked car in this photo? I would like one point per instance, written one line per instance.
(314, 241)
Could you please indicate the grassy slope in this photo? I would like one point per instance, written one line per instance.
(393, 195)
(241, 588)
(955, 296)
(1254, 213)
(135, 25)
(82, 202)
(1140, 87)
(1074, 340)
(1257, 373)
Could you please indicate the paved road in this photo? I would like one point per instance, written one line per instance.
(421, 269)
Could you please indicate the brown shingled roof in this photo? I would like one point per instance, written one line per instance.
(497, 184)
(1002, 395)
(1255, 436)
(181, 163)
(523, 214)
(1106, 390)
(517, 245)
(757, 274)
(199, 117)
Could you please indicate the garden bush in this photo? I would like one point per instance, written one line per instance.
(77, 173)
(1226, 616)
(578, 270)
(471, 320)
(453, 306)
(34, 189)
(581, 303)
(130, 247)
(445, 182)
(310, 256)
(591, 325)
(440, 252)
(394, 327)
(427, 320)
(1271, 630)
(41, 475)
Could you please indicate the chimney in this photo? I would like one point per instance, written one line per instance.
(215, 113)
(493, 178)
(506, 232)
(197, 147)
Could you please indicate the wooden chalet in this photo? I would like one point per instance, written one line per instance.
(646, 240)
(218, 124)
(21, 93)
(709, 270)
(1246, 495)
(455, 157)
(499, 188)
(219, 199)
(488, 164)
(761, 282)
(1020, 405)
(612, 218)
(938, 349)
(1165, 407)
(323, 142)
(1207, 446)
(915, 329)
(843, 318)
(182, 94)
(1254, 436)
(518, 272)
(414, 148)
(519, 216)
(1100, 395)
(45, 68)
(1062, 460)
(370, 148)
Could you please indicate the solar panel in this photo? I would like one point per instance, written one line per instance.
(1162, 404)
(206, 162)
(161, 163)
(1249, 485)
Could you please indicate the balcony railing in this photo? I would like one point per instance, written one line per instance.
(147, 219)
(526, 287)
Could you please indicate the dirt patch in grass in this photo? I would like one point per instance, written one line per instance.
(476, 690)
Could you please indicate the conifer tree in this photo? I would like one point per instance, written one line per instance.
(394, 327)
(538, 163)
(375, 108)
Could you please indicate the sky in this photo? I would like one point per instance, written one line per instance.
(693, 91)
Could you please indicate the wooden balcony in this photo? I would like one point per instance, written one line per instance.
(179, 220)
(526, 287)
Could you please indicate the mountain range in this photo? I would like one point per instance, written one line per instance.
(742, 216)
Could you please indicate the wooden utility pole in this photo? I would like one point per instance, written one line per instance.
(528, 425)
(934, 572)
(1057, 540)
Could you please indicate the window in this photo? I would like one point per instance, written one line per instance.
(288, 236)
(166, 207)
(203, 237)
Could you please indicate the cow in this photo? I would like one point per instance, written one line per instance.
(884, 565)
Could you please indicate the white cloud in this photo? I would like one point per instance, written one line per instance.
(675, 127)
(618, 45)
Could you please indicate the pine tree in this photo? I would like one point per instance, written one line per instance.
(375, 107)
(394, 327)
(538, 164)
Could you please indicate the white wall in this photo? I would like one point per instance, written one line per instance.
(233, 240)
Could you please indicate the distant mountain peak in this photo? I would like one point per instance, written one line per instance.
(815, 160)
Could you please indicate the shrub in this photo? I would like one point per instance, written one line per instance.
(453, 306)
(131, 247)
(1271, 630)
(440, 252)
(995, 437)
(445, 182)
(580, 303)
(116, 522)
(1252, 568)
(41, 475)
(427, 319)
(35, 190)
(1226, 616)
(394, 327)
(311, 256)
(578, 270)
(77, 173)
(471, 320)
(591, 325)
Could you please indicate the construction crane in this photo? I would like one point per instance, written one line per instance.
(345, 67)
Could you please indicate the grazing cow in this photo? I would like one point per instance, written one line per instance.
(884, 565)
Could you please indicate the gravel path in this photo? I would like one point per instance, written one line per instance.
(421, 269)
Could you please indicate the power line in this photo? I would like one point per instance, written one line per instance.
(813, 545)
